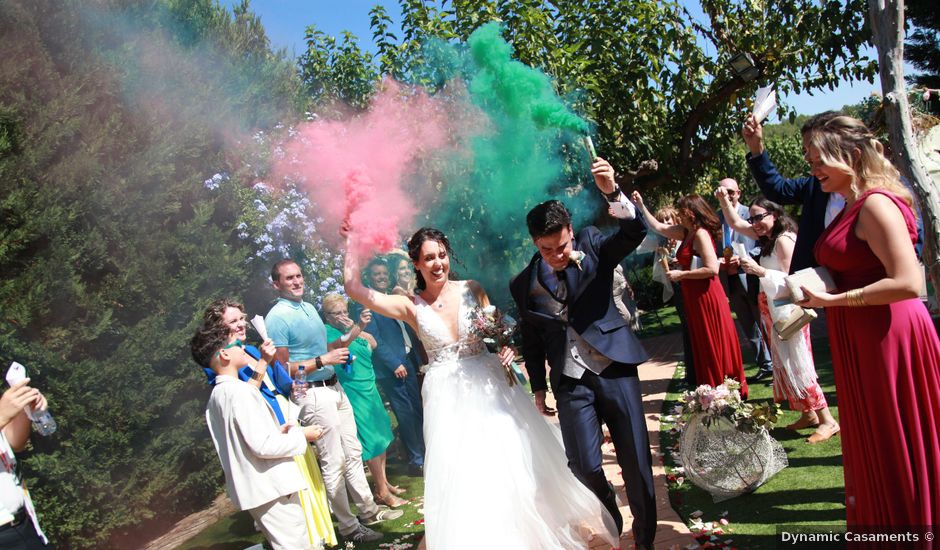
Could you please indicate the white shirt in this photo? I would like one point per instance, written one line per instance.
(256, 457)
(833, 207)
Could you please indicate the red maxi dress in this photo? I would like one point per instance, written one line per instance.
(886, 360)
(715, 348)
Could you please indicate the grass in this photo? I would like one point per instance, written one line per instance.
(809, 493)
(658, 322)
(237, 532)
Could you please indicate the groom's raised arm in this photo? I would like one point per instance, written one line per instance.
(615, 248)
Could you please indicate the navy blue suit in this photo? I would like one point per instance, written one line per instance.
(402, 393)
(805, 191)
(612, 397)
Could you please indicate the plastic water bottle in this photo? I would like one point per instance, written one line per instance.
(349, 363)
(43, 422)
(299, 387)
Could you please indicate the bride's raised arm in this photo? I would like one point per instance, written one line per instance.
(394, 306)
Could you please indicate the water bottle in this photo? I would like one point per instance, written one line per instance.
(299, 387)
(43, 422)
(349, 363)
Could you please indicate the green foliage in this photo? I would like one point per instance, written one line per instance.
(653, 77)
(111, 118)
(922, 47)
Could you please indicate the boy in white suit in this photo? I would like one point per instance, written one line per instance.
(256, 453)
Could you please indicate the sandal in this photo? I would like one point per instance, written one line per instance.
(391, 501)
(823, 433)
(804, 422)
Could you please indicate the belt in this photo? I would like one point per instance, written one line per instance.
(18, 518)
(320, 383)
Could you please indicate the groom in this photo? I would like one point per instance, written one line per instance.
(568, 317)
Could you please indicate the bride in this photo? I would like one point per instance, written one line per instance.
(494, 469)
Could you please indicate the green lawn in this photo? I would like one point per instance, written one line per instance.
(808, 493)
(237, 531)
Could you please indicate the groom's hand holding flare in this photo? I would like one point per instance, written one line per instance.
(603, 174)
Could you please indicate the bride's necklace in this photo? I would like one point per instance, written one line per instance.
(440, 302)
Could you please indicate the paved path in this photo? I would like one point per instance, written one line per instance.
(655, 375)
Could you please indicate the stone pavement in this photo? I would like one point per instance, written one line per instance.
(655, 375)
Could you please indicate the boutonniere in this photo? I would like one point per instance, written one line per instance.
(576, 256)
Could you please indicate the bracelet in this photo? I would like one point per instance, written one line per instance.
(613, 195)
(257, 375)
(856, 297)
(319, 362)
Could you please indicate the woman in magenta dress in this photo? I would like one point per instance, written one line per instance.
(885, 350)
(715, 348)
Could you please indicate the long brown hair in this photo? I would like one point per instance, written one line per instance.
(702, 214)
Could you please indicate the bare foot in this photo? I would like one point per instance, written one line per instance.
(395, 489)
(822, 433)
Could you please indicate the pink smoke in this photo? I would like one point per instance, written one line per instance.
(359, 169)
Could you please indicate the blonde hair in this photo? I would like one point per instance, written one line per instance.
(666, 213)
(333, 299)
(838, 138)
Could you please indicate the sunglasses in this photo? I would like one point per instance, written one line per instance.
(757, 217)
(236, 343)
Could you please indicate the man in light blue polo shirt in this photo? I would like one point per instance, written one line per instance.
(300, 338)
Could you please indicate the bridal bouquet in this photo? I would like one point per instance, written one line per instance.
(496, 330)
(726, 447)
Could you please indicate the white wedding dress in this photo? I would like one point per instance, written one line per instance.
(496, 475)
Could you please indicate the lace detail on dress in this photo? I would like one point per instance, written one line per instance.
(436, 336)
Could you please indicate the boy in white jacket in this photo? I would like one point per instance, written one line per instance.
(256, 453)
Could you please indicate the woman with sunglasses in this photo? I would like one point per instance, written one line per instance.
(794, 370)
(274, 383)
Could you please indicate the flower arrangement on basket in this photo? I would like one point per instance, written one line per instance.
(496, 330)
(726, 447)
(724, 401)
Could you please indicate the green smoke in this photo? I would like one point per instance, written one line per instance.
(516, 162)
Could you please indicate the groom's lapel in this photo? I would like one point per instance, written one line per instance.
(579, 278)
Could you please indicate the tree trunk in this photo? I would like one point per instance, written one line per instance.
(887, 23)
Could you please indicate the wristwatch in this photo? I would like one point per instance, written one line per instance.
(613, 196)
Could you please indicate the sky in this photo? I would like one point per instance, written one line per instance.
(286, 20)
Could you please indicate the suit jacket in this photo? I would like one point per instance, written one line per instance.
(591, 309)
(805, 191)
(256, 457)
(390, 349)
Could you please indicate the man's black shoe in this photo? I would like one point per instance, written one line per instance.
(764, 373)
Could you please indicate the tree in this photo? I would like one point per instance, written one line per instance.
(887, 21)
(112, 117)
(922, 49)
(652, 76)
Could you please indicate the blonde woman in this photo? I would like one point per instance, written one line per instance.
(885, 349)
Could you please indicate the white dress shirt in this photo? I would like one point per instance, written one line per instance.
(255, 455)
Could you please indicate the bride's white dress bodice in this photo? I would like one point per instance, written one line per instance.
(436, 335)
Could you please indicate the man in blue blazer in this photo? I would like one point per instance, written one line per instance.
(568, 318)
(396, 362)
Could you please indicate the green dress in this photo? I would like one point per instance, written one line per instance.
(373, 426)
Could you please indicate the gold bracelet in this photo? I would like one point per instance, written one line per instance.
(856, 297)
(258, 375)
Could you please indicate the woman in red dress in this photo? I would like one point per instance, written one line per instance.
(885, 349)
(715, 348)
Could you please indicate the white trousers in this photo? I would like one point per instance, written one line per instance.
(282, 522)
(340, 453)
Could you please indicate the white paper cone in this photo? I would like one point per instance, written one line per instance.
(764, 103)
(15, 373)
(258, 322)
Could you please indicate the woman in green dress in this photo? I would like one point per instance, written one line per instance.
(373, 426)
